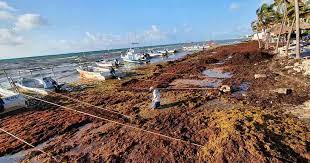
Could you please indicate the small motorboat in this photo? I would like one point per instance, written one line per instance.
(133, 57)
(10, 101)
(98, 73)
(163, 52)
(39, 86)
(196, 48)
(104, 63)
(154, 54)
(172, 51)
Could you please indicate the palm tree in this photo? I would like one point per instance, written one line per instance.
(267, 17)
(256, 28)
(297, 29)
(301, 10)
(281, 7)
(289, 37)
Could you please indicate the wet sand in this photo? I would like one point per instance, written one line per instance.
(251, 126)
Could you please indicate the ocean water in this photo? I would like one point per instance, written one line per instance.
(63, 67)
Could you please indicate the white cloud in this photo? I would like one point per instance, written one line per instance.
(5, 6)
(9, 37)
(29, 21)
(234, 6)
(153, 35)
(4, 15)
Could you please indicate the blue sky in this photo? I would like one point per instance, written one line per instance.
(42, 27)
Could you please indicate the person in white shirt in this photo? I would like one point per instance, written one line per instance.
(156, 98)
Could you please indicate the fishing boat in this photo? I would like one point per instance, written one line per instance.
(39, 86)
(133, 57)
(11, 101)
(196, 48)
(97, 73)
(154, 54)
(171, 51)
(163, 52)
(104, 63)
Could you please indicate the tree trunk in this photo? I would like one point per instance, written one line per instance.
(297, 29)
(267, 41)
(289, 38)
(259, 43)
(282, 24)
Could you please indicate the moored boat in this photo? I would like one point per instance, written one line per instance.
(97, 73)
(133, 57)
(39, 86)
(104, 64)
(154, 54)
(171, 51)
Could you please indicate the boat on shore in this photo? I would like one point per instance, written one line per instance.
(196, 48)
(109, 63)
(11, 101)
(39, 86)
(171, 51)
(104, 63)
(97, 73)
(133, 57)
(155, 54)
(163, 52)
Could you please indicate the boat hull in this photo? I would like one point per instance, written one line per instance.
(93, 75)
(104, 64)
(34, 86)
(12, 101)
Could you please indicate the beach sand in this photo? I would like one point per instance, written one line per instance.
(253, 126)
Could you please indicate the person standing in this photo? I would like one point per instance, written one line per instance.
(156, 98)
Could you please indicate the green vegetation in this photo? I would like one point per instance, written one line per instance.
(281, 12)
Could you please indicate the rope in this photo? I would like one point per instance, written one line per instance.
(85, 103)
(112, 121)
(32, 146)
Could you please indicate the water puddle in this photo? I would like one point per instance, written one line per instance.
(216, 74)
(242, 89)
(213, 79)
(18, 157)
(200, 83)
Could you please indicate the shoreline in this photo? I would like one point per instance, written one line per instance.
(250, 127)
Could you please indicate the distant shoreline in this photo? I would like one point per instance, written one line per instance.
(110, 50)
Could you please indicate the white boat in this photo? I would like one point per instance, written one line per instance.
(104, 64)
(196, 48)
(171, 51)
(11, 101)
(154, 54)
(163, 52)
(133, 57)
(32, 85)
(97, 73)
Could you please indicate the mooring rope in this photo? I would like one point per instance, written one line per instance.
(115, 122)
(32, 146)
(89, 104)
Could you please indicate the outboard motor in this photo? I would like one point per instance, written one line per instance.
(50, 83)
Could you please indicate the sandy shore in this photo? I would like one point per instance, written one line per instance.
(252, 125)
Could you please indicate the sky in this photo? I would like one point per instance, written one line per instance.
(37, 27)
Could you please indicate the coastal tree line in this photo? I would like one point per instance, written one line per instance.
(283, 13)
